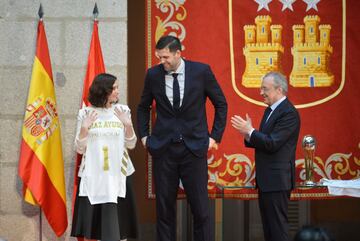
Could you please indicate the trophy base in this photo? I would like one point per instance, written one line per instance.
(309, 183)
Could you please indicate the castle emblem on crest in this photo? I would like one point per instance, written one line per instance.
(263, 50)
(311, 52)
(41, 120)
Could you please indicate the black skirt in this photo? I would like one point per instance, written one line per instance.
(107, 221)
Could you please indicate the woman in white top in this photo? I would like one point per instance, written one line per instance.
(104, 207)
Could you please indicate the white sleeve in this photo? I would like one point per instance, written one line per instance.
(80, 144)
(131, 142)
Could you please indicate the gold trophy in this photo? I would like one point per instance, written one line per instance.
(308, 146)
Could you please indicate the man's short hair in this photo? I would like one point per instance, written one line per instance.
(171, 42)
(279, 80)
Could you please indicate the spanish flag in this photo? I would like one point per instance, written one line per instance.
(41, 165)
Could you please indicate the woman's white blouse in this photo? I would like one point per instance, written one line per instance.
(105, 163)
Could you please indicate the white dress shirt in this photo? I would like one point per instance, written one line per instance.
(181, 79)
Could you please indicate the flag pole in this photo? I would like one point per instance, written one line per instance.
(95, 12)
(95, 66)
(40, 224)
(41, 14)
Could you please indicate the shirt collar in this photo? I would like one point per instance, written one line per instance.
(180, 70)
(277, 103)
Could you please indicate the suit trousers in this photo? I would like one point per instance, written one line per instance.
(178, 162)
(274, 215)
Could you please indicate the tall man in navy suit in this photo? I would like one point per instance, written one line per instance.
(275, 146)
(180, 139)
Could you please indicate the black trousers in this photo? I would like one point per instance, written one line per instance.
(177, 162)
(274, 215)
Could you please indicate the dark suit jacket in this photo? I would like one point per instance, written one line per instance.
(275, 146)
(190, 121)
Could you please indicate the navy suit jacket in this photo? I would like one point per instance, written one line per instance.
(190, 120)
(275, 146)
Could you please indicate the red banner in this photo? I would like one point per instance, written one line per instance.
(312, 42)
(95, 66)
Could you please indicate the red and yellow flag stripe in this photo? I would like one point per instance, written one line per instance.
(41, 165)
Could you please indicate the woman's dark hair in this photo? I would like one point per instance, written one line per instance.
(311, 233)
(100, 89)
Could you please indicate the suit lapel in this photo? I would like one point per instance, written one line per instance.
(275, 114)
(163, 87)
(262, 123)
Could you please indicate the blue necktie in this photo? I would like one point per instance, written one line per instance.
(176, 92)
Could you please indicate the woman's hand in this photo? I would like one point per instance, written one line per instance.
(123, 116)
(89, 120)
